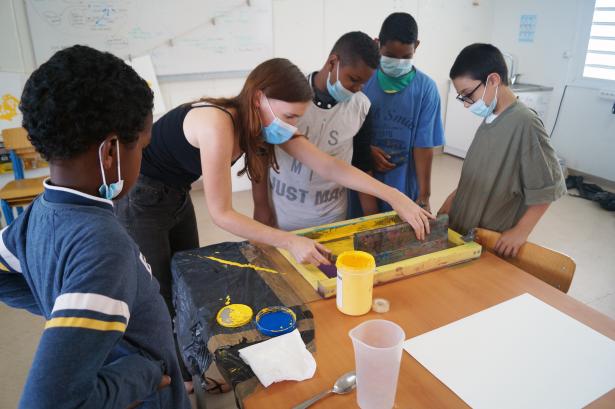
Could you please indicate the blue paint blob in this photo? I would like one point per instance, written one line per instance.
(275, 321)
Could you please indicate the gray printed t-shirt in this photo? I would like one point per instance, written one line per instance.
(300, 197)
(510, 165)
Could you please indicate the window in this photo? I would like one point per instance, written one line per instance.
(600, 57)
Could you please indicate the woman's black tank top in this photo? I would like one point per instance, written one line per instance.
(169, 157)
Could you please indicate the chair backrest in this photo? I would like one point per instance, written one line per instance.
(16, 139)
(555, 269)
(23, 154)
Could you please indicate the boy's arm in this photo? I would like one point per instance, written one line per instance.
(362, 159)
(448, 203)
(542, 183)
(510, 241)
(262, 206)
(429, 134)
(423, 159)
(14, 290)
(88, 319)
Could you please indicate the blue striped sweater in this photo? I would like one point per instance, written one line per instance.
(108, 337)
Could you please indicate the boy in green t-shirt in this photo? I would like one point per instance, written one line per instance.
(511, 173)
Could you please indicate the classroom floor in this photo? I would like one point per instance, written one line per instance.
(573, 226)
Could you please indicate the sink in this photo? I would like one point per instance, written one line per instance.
(520, 87)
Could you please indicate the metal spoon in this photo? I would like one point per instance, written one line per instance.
(344, 384)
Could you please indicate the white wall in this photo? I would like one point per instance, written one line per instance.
(585, 131)
(304, 32)
(542, 61)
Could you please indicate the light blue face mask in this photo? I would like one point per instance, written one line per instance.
(278, 131)
(337, 90)
(395, 67)
(111, 190)
(480, 108)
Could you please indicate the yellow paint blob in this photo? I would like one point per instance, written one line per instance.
(234, 315)
(8, 107)
(355, 282)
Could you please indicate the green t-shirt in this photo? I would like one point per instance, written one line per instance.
(510, 165)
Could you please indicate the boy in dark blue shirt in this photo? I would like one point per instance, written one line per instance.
(404, 117)
(108, 341)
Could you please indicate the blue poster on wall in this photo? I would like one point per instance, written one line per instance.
(527, 28)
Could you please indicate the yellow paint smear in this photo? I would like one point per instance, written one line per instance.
(235, 264)
(346, 228)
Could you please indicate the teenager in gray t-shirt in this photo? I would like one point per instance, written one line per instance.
(511, 173)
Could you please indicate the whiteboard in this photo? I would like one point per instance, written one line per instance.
(182, 36)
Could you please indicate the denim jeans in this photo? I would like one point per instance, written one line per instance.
(161, 220)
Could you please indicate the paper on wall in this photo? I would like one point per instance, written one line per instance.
(145, 68)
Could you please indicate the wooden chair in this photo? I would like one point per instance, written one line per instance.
(555, 269)
(21, 191)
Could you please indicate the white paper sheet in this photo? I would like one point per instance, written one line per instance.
(521, 353)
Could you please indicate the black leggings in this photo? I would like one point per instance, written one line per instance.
(161, 220)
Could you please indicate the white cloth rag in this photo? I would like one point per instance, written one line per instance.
(283, 358)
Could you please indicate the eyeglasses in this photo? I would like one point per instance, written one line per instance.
(466, 98)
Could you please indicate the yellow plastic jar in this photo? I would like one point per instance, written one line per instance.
(355, 282)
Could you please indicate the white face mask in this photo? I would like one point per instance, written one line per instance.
(395, 67)
(337, 90)
(480, 108)
(112, 190)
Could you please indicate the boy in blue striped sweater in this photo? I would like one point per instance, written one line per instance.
(108, 341)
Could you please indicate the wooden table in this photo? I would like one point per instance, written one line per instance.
(420, 304)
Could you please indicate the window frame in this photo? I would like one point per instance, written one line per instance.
(584, 24)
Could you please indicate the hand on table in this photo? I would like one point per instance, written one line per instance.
(413, 214)
(424, 204)
(510, 242)
(308, 251)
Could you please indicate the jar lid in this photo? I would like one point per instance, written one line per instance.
(234, 315)
(274, 321)
(355, 261)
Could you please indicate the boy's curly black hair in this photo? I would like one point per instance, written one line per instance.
(79, 97)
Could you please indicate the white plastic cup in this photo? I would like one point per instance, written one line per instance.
(377, 350)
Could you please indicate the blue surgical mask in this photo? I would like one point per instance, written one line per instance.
(111, 190)
(480, 108)
(395, 67)
(278, 131)
(337, 90)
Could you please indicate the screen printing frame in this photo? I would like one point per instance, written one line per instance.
(339, 237)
